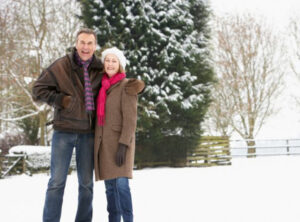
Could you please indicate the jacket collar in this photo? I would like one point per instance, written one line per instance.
(95, 64)
(114, 86)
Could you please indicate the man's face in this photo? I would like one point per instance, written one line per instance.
(86, 46)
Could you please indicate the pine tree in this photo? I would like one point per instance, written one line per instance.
(166, 43)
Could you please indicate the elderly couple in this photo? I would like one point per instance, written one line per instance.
(95, 111)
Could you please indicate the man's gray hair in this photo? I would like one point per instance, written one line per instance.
(87, 31)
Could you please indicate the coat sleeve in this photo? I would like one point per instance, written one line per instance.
(129, 109)
(129, 114)
(46, 89)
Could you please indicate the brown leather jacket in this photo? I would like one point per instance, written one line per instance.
(65, 78)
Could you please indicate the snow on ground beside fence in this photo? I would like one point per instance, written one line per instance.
(262, 189)
(38, 156)
(29, 150)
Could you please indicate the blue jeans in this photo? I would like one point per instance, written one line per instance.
(62, 148)
(119, 201)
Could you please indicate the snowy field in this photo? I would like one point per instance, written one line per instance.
(263, 189)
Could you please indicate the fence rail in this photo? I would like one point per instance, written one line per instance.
(220, 151)
(267, 147)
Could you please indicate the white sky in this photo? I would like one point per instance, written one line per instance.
(274, 9)
(286, 124)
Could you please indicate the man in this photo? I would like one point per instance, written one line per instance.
(71, 85)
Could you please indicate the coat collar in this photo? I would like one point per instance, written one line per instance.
(95, 64)
(114, 86)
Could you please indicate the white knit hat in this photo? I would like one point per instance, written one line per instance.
(117, 52)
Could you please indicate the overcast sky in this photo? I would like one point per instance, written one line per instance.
(276, 11)
(272, 8)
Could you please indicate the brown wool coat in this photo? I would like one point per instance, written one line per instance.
(119, 127)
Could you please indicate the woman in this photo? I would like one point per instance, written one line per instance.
(115, 133)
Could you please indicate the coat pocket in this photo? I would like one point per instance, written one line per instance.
(97, 145)
(116, 128)
(71, 105)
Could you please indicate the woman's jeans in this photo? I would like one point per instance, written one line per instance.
(62, 147)
(119, 201)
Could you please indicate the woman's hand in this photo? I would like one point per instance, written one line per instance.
(121, 154)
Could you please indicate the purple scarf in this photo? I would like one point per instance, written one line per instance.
(88, 91)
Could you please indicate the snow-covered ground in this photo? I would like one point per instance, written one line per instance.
(262, 189)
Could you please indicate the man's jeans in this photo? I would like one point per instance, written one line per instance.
(62, 147)
(119, 201)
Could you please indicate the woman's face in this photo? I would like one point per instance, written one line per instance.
(111, 64)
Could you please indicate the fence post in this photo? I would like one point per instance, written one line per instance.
(0, 163)
(287, 147)
(24, 163)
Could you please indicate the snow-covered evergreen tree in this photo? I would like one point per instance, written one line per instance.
(165, 43)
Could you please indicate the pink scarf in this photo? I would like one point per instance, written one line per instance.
(101, 100)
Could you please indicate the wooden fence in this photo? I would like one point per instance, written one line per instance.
(19, 163)
(216, 151)
(212, 151)
(265, 147)
(13, 164)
